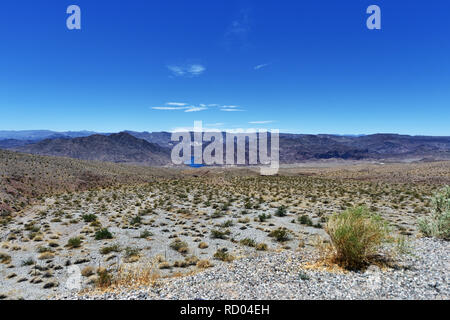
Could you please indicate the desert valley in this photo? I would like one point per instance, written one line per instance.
(106, 217)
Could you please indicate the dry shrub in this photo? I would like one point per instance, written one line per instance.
(356, 235)
(438, 224)
(203, 264)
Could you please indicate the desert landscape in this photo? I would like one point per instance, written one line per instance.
(138, 232)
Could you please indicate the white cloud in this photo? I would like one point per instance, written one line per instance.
(191, 70)
(195, 109)
(260, 66)
(230, 107)
(169, 108)
(231, 110)
(180, 104)
(261, 122)
(178, 71)
(196, 69)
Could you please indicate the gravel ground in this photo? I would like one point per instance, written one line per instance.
(422, 275)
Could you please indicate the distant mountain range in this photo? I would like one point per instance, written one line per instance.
(153, 148)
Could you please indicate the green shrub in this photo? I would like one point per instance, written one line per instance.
(136, 220)
(226, 224)
(281, 212)
(223, 255)
(306, 220)
(89, 217)
(129, 252)
(103, 234)
(438, 224)
(145, 234)
(28, 262)
(74, 242)
(217, 234)
(248, 242)
(280, 234)
(109, 249)
(356, 235)
(263, 217)
(179, 246)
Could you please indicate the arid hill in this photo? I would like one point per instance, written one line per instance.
(25, 178)
(153, 148)
(118, 147)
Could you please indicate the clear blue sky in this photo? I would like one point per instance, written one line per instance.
(299, 66)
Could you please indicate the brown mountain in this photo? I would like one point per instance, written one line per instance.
(117, 147)
(153, 148)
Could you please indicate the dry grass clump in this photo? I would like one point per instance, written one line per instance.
(356, 235)
(180, 246)
(128, 276)
(204, 264)
(87, 271)
(203, 245)
(4, 258)
(223, 255)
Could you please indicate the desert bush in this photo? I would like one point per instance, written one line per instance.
(356, 234)
(136, 220)
(281, 212)
(203, 245)
(203, 264)
(248, 242)
(180, 246)
(217, 234)
(306, 220)
(103, 234)
(280, 234)
(104, 279)
(89, 217)
(74, 242)
(261, 247)
(438, 224)
(28, 262)
(87, 271)
(263, 217)
(226, 224)
(109, 249)
(145, 234)
(223, 255)
(4, 258)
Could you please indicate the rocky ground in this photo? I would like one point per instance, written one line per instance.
(225, 234)
(422, 275)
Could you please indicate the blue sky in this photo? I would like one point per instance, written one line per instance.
(298, 66)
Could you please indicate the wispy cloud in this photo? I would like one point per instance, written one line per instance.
(230, 107)
(262, 122)
(180, 104)
(196, 69)
(192, 70)
(169, 108)
(231, 110)
(195, 109)
(260, 66)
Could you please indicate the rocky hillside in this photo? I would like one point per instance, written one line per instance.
(119, 147)
(153, 148)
